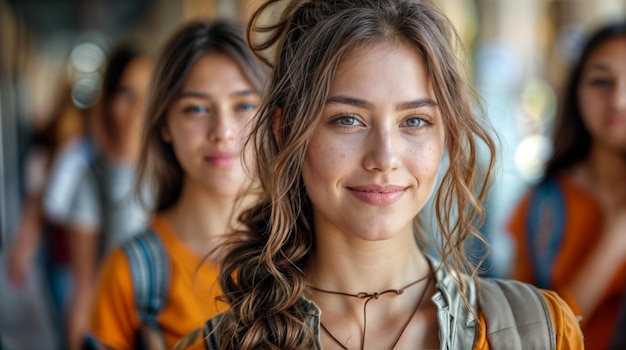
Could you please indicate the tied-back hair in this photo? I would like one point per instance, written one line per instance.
(571, 140)
(262, 272)
(158, 165)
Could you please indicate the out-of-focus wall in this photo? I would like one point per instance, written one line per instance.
(9, 174)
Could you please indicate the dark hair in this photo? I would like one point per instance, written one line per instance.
(121, 56)
(158, 165)
(262, 272)
(571, 139)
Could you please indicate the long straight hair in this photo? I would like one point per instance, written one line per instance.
(571, 140)
(158, 165)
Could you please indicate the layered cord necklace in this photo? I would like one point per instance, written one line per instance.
(368, 297)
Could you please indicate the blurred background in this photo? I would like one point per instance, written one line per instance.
(52, 53)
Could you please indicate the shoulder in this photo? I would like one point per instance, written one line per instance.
(75, 157)
(65, 182)
(566, 324)
(146, 250)
(145, 247)
(115, 266)
(192, 341)
(521, 313)
(204, 338)
(513, 304)
(72, 149)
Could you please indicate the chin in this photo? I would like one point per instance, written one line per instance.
(383, 234)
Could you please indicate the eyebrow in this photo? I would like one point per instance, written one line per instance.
(198, 94)
(359, 103)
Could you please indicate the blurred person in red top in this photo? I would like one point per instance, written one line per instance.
(38, 245)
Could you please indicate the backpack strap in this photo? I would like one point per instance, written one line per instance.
(516, 314)
(97, 171)
(545, 228)
(150, 272)
(210, 333)
(618, 339)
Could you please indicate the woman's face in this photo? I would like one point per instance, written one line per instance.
(372, 161)
(206, 125)
(602, 94)
(128, 105)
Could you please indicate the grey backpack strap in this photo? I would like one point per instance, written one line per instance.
(150, 272)
(516, 314)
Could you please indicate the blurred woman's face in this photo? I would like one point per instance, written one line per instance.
(207, 124)
(602, 94)
(128, 105)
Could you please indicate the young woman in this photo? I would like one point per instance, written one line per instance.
(571, 227)
(102, 212)
(205, 92)
(365, 99)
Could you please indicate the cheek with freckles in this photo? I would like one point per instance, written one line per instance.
(424, 165)
(327, 162)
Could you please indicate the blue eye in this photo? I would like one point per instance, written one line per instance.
(196, 109)
(414, 122)
(347, 121)
(600, 82)
(246, 107)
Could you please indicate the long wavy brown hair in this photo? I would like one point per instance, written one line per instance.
(262, 273)
(158, 166)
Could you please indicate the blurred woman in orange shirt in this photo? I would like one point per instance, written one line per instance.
(571, 228)
(204, 94)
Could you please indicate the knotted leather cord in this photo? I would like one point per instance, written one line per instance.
(376, 295)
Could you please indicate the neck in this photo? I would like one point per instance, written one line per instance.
(368, 288)
(366, 266)
(607, 167)
(200, 219)
(602, 174)
(121, 151)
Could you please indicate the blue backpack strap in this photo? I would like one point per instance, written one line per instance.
(545, 228)
(150, 272)
(618, 340)
(209, 331)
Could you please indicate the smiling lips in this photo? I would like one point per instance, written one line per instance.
(224, 160)
(617, 120)
(377, 194)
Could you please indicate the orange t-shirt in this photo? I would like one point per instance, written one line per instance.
(566, 329)
(583, 222)
(190, 300)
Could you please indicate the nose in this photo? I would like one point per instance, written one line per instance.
(222, 129)
(382, 152)
(140, 106)
(619, 96)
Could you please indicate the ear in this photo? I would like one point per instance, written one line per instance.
(165, 133)
(278, 114)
